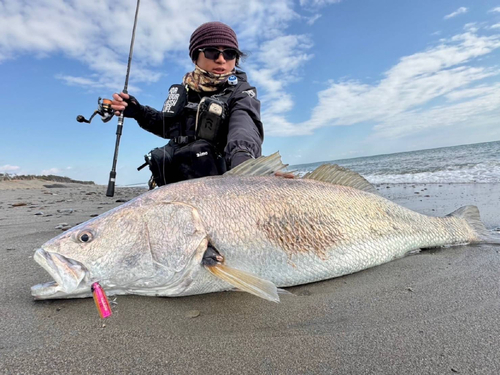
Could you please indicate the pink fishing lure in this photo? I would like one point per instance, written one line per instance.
(101, 301)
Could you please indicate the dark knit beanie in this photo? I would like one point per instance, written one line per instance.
(212, 34)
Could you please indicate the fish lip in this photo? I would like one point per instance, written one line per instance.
(70, 276)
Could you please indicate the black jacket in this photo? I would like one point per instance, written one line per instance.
(245, 133)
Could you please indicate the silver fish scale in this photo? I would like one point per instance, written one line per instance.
(296, 231)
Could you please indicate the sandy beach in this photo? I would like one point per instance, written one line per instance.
(436, 312)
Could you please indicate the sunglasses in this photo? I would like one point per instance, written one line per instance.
(213, 53)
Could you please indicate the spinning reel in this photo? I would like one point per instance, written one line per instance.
(103, 109)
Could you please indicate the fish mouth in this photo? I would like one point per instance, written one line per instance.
(70, 277)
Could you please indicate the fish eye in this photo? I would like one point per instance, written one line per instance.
(85, 236)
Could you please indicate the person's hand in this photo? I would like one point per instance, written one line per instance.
(284, 174)
(118, 103)
(124, 103)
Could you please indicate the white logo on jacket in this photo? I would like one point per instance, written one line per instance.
(200, 154)
(171, 101)
(250, 93)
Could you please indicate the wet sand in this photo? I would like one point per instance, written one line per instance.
(436, 312)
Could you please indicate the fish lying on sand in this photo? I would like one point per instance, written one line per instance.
(247, 230)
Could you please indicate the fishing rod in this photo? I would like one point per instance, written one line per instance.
(112, 175)
(106, 112)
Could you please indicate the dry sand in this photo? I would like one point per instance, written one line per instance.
(437, 312)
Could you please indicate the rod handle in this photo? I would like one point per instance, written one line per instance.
(111, 184)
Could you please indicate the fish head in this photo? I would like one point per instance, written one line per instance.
(135, 248)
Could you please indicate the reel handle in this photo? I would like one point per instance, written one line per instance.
(80, 118)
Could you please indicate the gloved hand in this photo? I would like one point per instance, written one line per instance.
(239, 157)
(126, 103)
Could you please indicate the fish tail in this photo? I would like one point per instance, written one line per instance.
(471, 215)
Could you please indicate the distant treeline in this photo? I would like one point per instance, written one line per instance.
(50, 177)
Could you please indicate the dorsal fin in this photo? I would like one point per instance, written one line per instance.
(331, 173)
(335, 174)
(262, 166)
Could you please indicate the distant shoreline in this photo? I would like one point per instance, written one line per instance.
(7, 177)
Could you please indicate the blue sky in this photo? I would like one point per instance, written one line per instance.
(337, 79)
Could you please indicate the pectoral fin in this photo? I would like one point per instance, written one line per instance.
(242, 280)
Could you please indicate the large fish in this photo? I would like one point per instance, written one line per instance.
(244, 230)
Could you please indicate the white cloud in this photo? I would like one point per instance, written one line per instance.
(407, 92)
(54, 171)
(495, 26)
(494, 10)
(484, 110)
(9, 168)
(471, 27)
(98, 34)
(481, 90)
(312, 19)
(460, 10)
(318, 3)
(278, 63)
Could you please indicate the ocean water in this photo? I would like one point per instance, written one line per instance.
(479, 162)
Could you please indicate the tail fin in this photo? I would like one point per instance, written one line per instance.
(471, 215)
